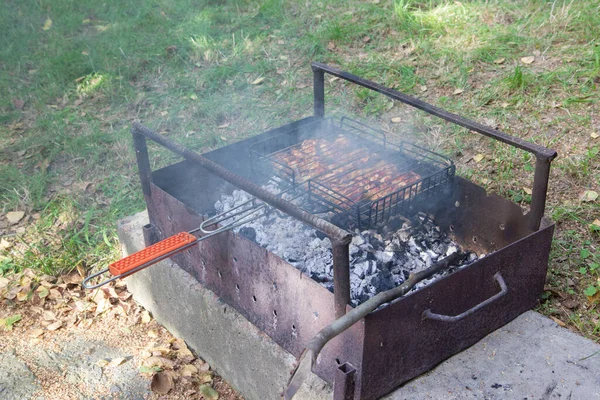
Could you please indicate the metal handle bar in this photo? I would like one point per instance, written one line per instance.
(427, 314)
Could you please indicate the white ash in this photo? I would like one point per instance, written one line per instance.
(379, 261)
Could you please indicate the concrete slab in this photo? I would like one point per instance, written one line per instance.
(530, 358)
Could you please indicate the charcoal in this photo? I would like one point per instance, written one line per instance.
(248, 232)
(379, 260)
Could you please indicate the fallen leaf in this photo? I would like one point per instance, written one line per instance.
(223, 126)
(477, 158)
(193, 96)
(147, 370)
(15, 216)
(152, 334)
(595, 223)
(162, 383)
(258, 81)
(145, 317)
(22, 295)
(588, 195)
(42, 292)
(208, 392)
(527, 190)
(115, 362)
(3, 282)
(186, 355)
(188, 370)
(366, 39)
(102, 363)
(47, 24)
(570, 303)
(499, 60)
(280, 41)
(331, 45)
(527, 60)
(205, 377)
(396, 120)
(457, 91)
(423, 88)
(54, 326)
(36, 333)
(558, 321)
(594, 135)
(157, 361)
(10, 321)
(18, 103)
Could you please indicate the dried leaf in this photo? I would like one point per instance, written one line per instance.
(47, 25)
(157, 361)
(499, 60)
(3, 282)
(477, 158)
(15, 216)
(223, 126)
(457, 91)
(18, 103)
(152, 334)
(54, 326)
(588, 195)
(22, 295)
(185, 355)
(115, 362)
(596, 223)
(570, 303)
(366, 39)
(396, 120)
(188, 370)
(208, 392)
(527, 190)
(331, 45)
(423, 88)
(162, 383)
(146, 317)
(102, 305)
(42, 292)
(205, 377)
(36, 333)
(258, 81)
(558, 321)
(102, 363)
(527, 60)
(594, 135)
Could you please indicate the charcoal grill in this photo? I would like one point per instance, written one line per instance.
(406, 337)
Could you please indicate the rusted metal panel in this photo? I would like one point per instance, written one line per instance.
(287, 305)
(401, 344)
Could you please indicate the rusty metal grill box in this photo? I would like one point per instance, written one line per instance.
(394, 343)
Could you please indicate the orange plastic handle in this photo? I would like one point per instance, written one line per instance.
(150, 253)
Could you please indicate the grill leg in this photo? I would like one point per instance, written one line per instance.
(540, 187)
(341, 276)
(344, 384)
(319, 92)
(150, 234)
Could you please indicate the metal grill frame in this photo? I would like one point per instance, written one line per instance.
(436, 171)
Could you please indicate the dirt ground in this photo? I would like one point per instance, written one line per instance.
(61, 342)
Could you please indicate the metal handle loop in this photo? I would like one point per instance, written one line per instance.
(427, 314)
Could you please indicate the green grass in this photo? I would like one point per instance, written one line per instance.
(186, 69)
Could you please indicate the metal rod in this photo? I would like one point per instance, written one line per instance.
(341, 276)
(319, 92)
(344, 382)
(539, 151)
(143, 162)
(335, 233)
(538, 195)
